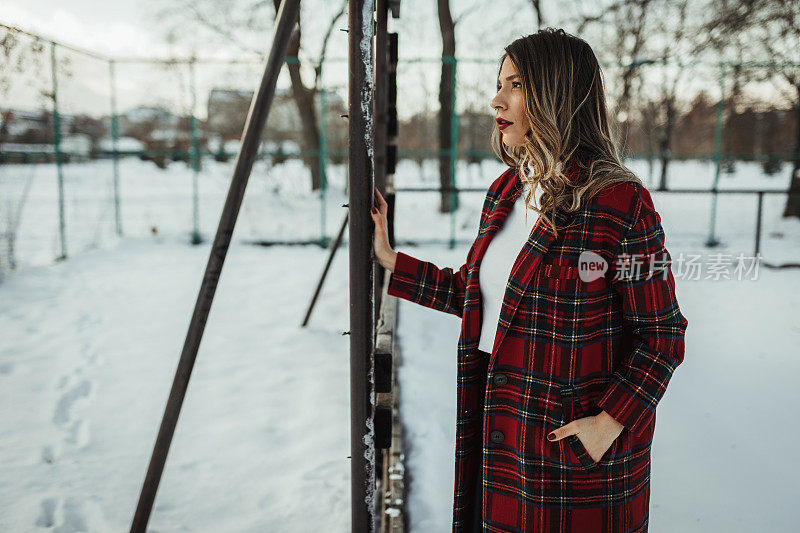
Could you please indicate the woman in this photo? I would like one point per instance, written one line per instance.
(570, 329)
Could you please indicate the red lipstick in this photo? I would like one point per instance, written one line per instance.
(502, 123)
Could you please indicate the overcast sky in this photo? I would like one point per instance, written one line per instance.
(130, 28)
(124, 28)
(118, 27)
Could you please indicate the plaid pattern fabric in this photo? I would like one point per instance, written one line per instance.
(565, 348)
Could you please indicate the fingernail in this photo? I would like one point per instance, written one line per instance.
(551, 436)
(374, 210)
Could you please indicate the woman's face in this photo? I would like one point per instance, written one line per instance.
(509, 105)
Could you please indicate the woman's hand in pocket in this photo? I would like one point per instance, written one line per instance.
(597, 433)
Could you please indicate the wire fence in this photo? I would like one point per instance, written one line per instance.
(93, 148)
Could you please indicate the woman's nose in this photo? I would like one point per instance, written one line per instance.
(496, 104)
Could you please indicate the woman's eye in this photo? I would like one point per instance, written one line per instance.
(513, 84)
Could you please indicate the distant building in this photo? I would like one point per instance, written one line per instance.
(77, 145)
(151, 114)
(36, 123)
(227, 110)
(124, 145)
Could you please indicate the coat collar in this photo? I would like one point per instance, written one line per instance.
(537, 246)
(573, 172)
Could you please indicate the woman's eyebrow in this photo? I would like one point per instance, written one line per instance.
(509, 78)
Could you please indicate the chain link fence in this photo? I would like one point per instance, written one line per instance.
(94, 148)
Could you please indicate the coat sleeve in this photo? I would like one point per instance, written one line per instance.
(443, 289)
(424, 283)
(650, 315)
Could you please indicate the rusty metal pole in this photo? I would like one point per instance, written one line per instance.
(379, 141)
(360, 190)
(381, 97)
(254, 126)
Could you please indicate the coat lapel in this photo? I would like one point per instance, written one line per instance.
(530, 256)
(528, 260)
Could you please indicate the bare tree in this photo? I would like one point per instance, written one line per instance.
(537, 10)
(629, 25)
(447, 96)
(230, 24)
(645, 32)
(446, 99)
(772, 31)
(673, 29)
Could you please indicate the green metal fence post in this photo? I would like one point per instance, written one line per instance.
(322, 156)
(115, 143)
(712, 239)
(57, 146)
(453, 154)
(195, 157)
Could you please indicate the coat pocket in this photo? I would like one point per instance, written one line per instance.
(582, 454)
(573, 409)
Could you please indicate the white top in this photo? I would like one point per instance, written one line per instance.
(498, 260)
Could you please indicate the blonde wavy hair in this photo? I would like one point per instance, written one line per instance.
(566, 108)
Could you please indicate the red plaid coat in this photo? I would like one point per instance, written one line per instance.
(565, 349)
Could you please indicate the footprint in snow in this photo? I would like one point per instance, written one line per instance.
(62, 413)
(46, 516)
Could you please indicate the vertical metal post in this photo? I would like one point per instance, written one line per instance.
(712, 239)
(323, 152)
(112, 74)
(360, 181)
(380, 96)
(251, 138)
(57, 146)
(758, 222)
(453, 155)
(195, 157)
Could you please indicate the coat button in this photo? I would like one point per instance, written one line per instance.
(497, 436)
(500, 379)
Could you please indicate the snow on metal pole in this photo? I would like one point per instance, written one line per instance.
(253, 128)
(360, 190)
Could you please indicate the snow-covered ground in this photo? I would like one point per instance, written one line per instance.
(88, 349)
(87, 356)
(279, 204)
